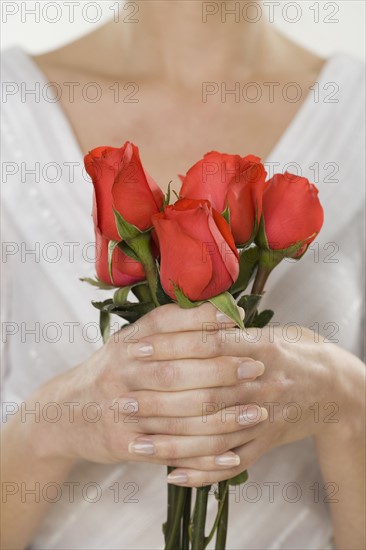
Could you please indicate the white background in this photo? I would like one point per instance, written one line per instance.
(323, 26)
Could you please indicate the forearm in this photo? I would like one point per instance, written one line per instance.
(341, 451)
(22, 468)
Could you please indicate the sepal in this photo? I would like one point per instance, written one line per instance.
(126, 230)
(97, 283)
(226, 304)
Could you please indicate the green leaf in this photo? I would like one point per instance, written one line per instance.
(111, 246)
(239, 479)
(226, 304)
(127, 250)
(176, 195)
(249, 258)
(97, 282)
(104, 324)
(249, 302)
(131, 311)
(182, 299)
(125, 230)
(262, 319)
(102, 305)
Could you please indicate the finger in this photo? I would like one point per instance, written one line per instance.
(226, 420)
(193, 477)
(172, 318)
(198, 344)
(186, 374)
(203, 343)
(214, 462)
(208, 463)
(173, 447)
(200, 402)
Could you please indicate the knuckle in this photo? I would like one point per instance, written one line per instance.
(211, 342)
(217, 424)
(176, 425)
(154, 318)
(170, 451)
(219, 444)
(208, 396)
(217, 342)
(150, 404)
(165, 374)
(221, 371)
(157, 317)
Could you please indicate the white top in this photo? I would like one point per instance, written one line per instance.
(45, 295)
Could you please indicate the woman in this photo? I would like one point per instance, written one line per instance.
(164, 83)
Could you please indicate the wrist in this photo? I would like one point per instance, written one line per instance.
(43, 425)
(28, 438)
(345, 392)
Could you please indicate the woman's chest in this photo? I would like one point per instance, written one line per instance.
(174, 129)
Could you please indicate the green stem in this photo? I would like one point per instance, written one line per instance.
(199, 518)
(263, 272)
(141, 246)
(222, 525)
(142, 292)
(218, 516)
(170, 507)
(173, 530)
(104, 325)
(186, 520)
(260, 279)
(151, 276)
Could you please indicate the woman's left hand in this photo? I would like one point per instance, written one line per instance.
(307, 387)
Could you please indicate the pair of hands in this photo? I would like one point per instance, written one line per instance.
(184, 387)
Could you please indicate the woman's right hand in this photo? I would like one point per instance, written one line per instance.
(113, 402)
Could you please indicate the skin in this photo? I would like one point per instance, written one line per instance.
(189, 369)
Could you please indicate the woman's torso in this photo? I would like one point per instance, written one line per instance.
(48, 236)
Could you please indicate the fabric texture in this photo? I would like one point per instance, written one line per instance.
(50, 325)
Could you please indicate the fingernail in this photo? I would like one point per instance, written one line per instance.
(127, 405)
(142, 349)
(250, 415)
(228, 459)
(141, 446)
(223, 318)
(178, 478)
(250, 369)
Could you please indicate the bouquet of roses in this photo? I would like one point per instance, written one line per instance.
(228, 226)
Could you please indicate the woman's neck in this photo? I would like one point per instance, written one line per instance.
(183, 42)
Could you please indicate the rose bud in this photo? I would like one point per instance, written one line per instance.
(233, 181)
(198, 253)
(292, 215)
(121, 183)
(125, 270)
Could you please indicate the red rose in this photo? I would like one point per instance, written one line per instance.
(125, 270)
(120, 182)
(229, 180)
(198, 252)
(292, 213)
